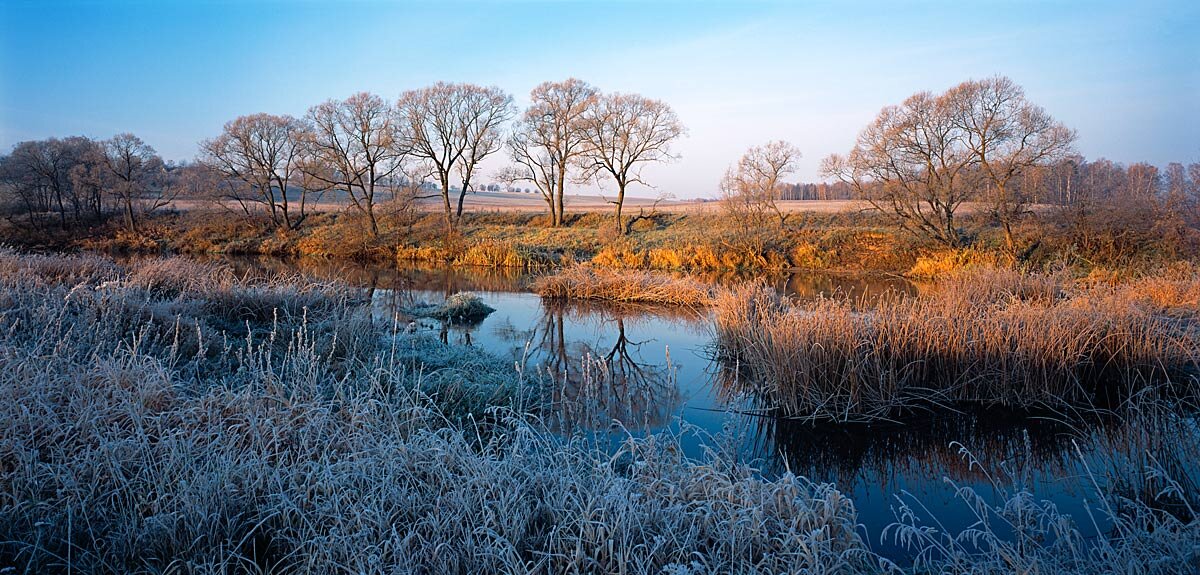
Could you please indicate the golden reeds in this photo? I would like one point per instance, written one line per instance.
(589, 283)
(993, 337)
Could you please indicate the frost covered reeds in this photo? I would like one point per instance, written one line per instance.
(141, 433)
(136, 436)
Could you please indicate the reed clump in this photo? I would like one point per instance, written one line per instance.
(991, 337)
(943, 263)
(590, 283)
(462, 307)
(504, 254)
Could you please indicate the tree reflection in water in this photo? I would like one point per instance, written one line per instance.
(605, 385)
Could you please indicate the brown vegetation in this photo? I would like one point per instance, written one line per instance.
(590, 283)
(988, 336)
(1006, 189)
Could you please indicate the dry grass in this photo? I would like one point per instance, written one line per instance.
(944, 263)
(504, 254)
(693, 241)
(994, 337)
(462, 307)
(589, 283)
(1012, 531)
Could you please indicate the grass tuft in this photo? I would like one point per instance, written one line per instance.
(589, 283)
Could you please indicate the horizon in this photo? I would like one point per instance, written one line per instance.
(1125, 77)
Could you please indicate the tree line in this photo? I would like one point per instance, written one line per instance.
(366, 149)
(981, 143)
(77, 181)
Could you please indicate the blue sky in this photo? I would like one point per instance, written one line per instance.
(1126, 75)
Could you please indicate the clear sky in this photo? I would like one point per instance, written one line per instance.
(1126, 75)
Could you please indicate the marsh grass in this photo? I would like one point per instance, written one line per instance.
(506, 254)
(991, 337)
(1010, 530)
(138, 437)
(590, 283)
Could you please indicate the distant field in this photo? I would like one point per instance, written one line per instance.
(522, 202)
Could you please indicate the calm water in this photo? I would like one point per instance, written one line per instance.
(662, 378)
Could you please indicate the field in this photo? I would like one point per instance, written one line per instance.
(522, 202)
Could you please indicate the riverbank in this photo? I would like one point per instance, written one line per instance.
(144, 430)
(700, 240)
(703, 239)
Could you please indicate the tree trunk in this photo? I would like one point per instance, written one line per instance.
(371, 220)
(1010, 242)
(130, 222)
(553, 212)
(462, 195)
(620, 203)
(558, 197)
(445, 181)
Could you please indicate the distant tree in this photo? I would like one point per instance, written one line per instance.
(132, 175)
(1008, 137)
(1112, 212)
(37, 175)
(195, 181)
(549, 137)
(354, 148)
(1183, 190)
(452, 128)
(624, 132)
(752, 188)
(265, 153)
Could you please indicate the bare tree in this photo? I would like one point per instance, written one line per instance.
(623, 132)
(548, 138)
(755, 185)
(483, 114)
(133, 175)
(1183, 189)
(354, 149)
(264, 152)
(452, 128)
(911, 163)
(1007, 137)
